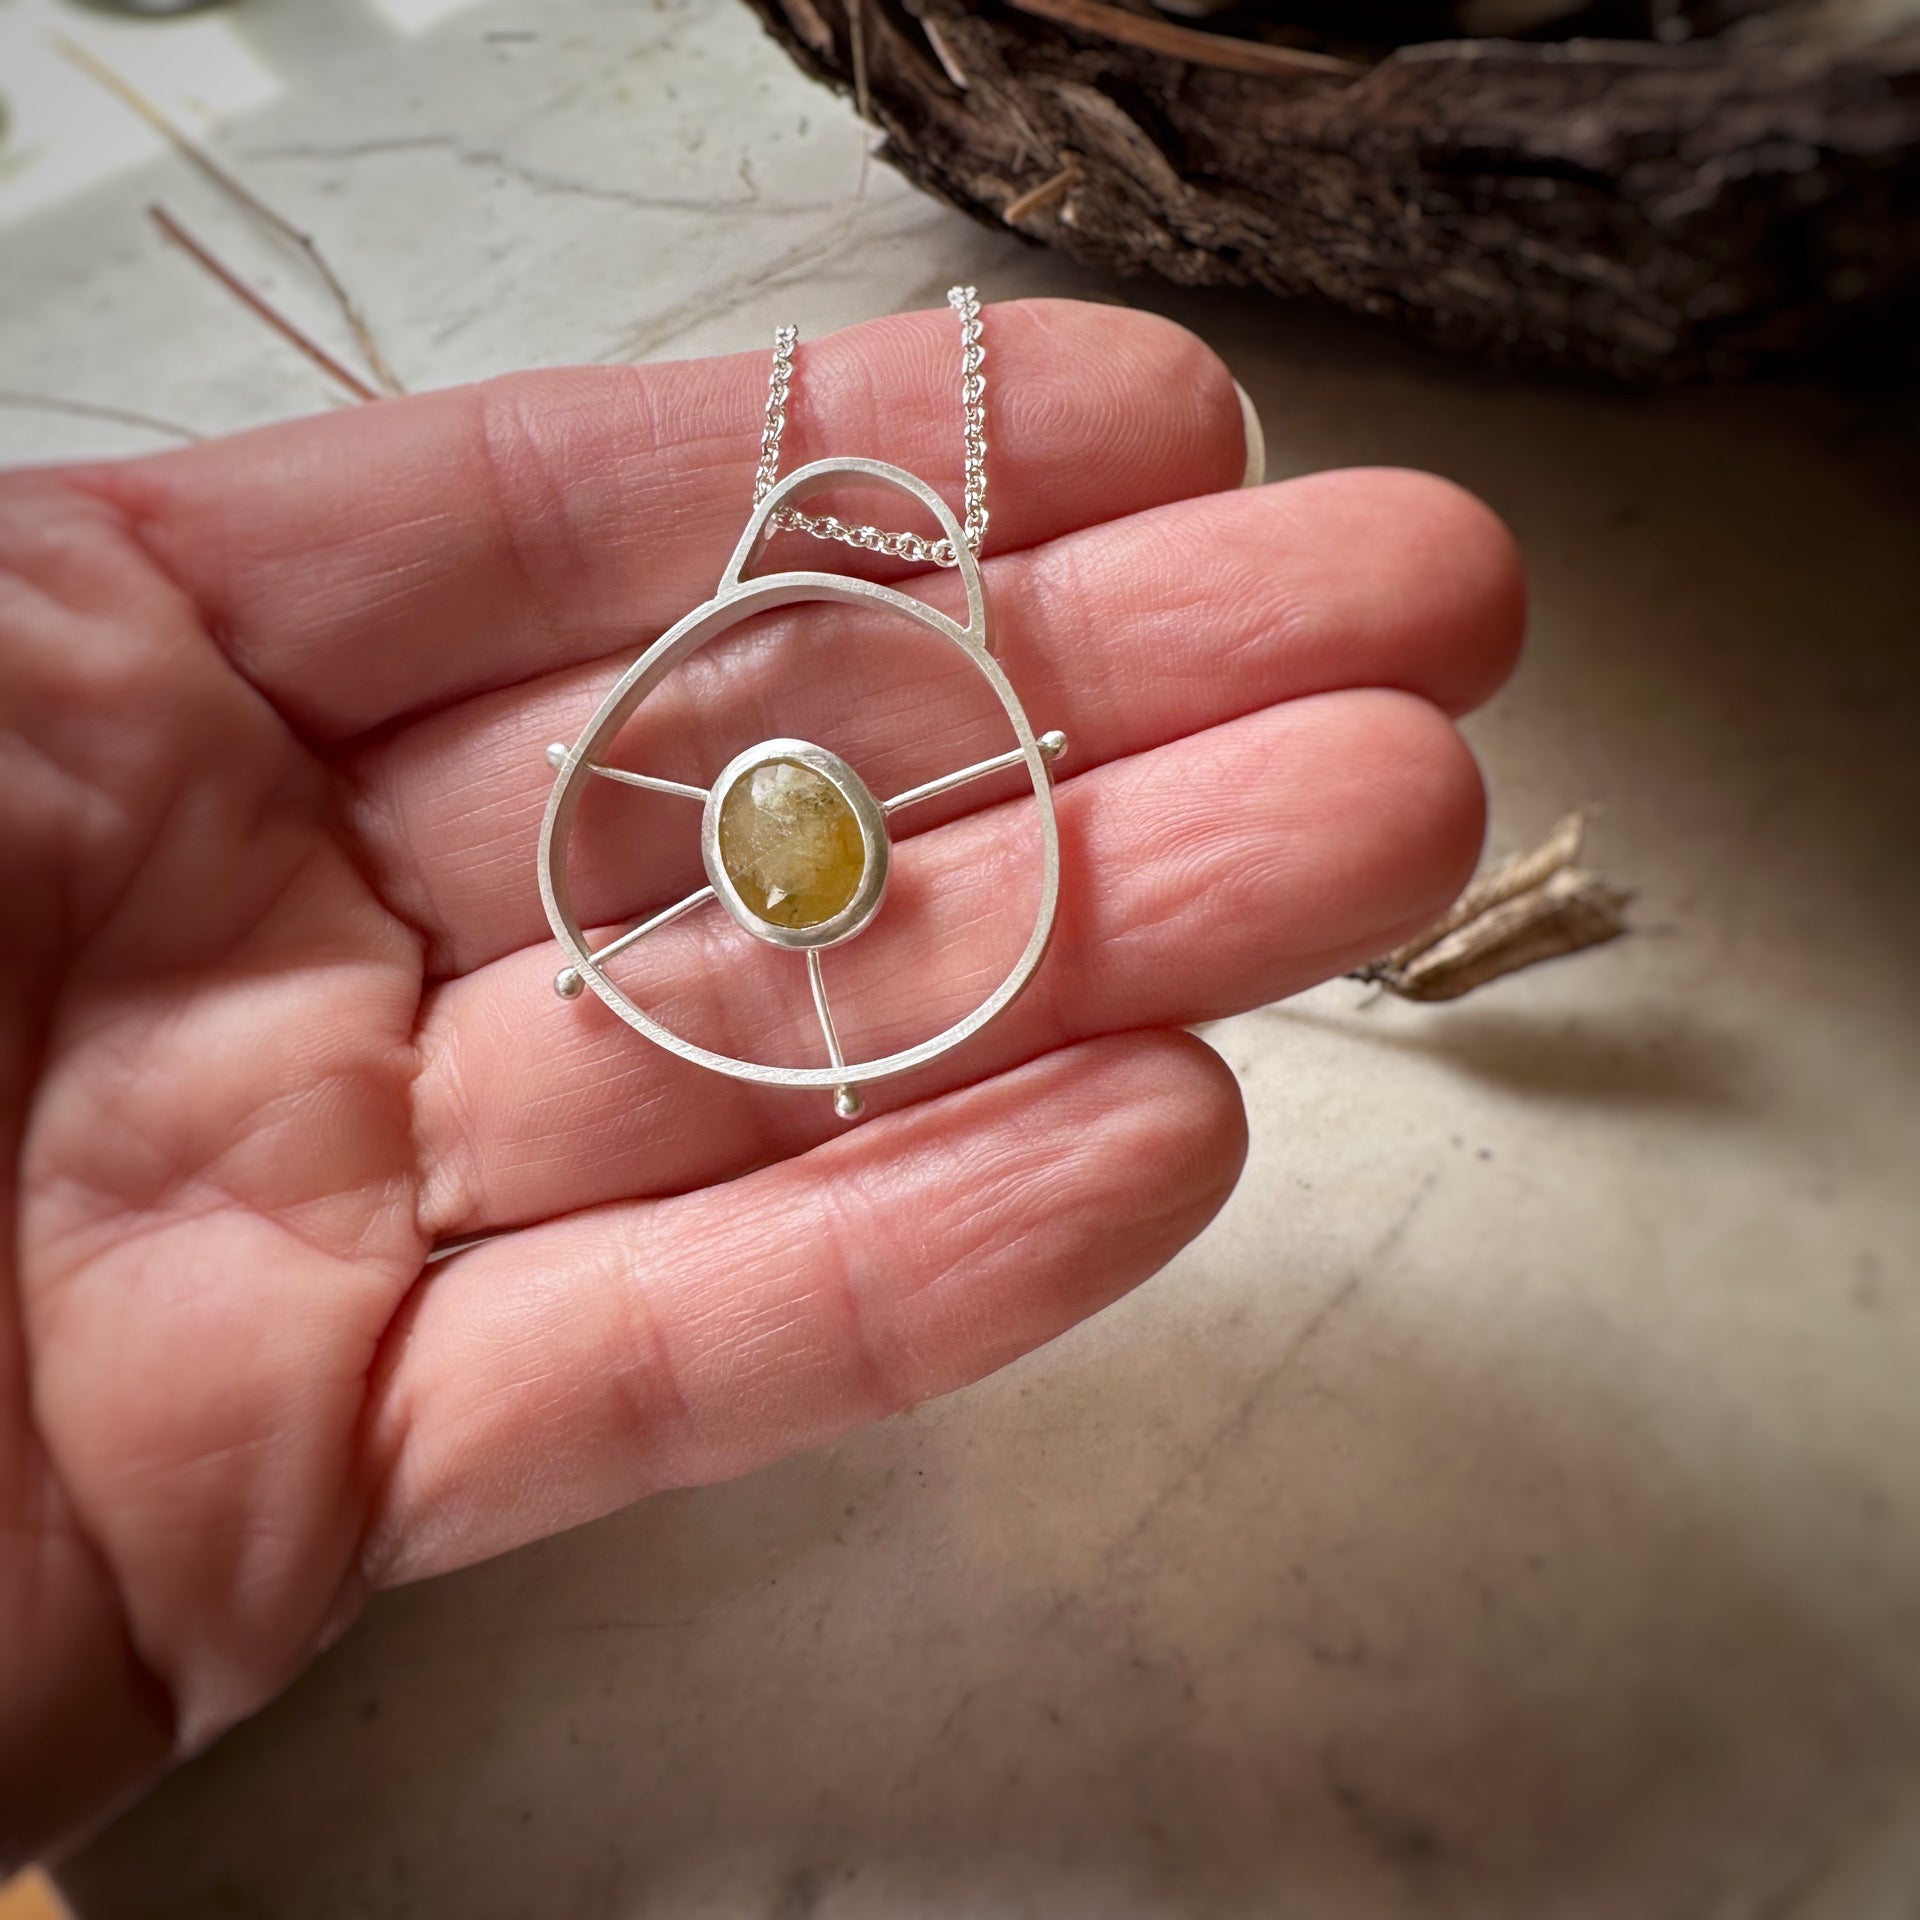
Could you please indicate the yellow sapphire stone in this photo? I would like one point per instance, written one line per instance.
(791, 844)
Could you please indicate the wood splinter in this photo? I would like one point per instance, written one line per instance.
(1536, 906)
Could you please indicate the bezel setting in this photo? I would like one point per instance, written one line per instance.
(875, 846)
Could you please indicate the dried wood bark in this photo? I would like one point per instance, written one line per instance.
(1626, 206)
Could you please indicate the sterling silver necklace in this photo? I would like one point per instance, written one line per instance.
(795, 843)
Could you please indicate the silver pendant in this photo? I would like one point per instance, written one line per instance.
(824, 785)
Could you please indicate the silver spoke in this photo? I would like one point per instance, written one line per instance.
(557, 758)
(1051, 745)
(846, 1100)
(568, 981)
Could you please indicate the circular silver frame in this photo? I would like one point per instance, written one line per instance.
(737, 598)
(874, 843)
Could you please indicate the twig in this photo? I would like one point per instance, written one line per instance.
(95, 410)
(278, 321)
(243, 196)
(857, 36)
(808, 24)
(1185, 43)
(944, 53)
(1044, 195)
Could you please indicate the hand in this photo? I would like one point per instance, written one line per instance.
(278, 1016)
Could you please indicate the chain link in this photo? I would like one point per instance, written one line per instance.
(965, 302)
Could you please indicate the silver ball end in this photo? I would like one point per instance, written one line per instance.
(1053, 744)
(847, 1102)
(567, 983)
(557, 755)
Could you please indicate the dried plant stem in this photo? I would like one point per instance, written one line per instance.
(809, 25)
(96, 410)
(278, 321)
(1499, 884)
(244, 197)
(1536, 906)
(943, 52)
(857, 33)
(1042, 196)
(1185, 43)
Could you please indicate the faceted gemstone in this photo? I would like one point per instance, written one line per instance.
(790, 844)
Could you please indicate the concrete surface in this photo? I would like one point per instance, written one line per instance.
(1512, 1507)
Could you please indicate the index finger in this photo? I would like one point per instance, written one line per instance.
(375, 563)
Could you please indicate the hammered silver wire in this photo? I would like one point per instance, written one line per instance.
(965, 302)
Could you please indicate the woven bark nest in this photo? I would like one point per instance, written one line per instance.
(1653, 190)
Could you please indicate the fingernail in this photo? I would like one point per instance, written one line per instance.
(1256, 439)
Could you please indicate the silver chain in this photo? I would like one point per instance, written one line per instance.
(973, 405)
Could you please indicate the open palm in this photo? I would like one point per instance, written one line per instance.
(277, 1015)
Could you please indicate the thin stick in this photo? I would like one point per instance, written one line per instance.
(857, 37)
(808, 24)
(1044, 195)
(557, 758)
(243, 196)
(95, 410)
(1052, 745)
(944, 53)
(278, 321)
(1185, 43)
(846, 1100)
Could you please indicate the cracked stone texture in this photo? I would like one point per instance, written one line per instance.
(1511, 1508)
